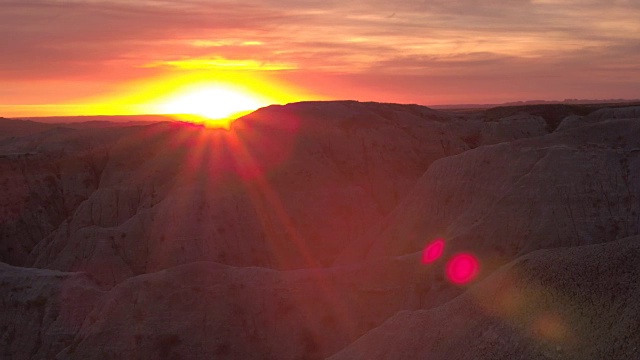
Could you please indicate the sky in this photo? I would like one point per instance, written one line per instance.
(72, 57)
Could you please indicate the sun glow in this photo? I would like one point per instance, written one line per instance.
(214, 99)
(215, 105)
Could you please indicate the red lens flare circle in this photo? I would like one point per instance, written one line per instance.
(462, 268)
(433, 251)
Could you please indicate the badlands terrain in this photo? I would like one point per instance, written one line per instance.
(300, 233)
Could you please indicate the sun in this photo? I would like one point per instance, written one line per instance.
(217, 105)
(213, 98)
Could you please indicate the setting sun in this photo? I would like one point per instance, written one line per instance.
(218, 104)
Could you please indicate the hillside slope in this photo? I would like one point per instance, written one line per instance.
(568, 303)
(299, 233)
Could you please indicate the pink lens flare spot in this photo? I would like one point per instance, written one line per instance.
(433, 251)
(463, 268)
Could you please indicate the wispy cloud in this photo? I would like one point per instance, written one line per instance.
(219, 63)
(581, 41)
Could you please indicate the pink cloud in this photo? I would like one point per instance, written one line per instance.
(375, 50)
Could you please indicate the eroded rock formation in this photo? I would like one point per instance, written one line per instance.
(298, 234)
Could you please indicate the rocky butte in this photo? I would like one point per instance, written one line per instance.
(341, 230)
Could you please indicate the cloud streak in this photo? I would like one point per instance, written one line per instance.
(528, 40)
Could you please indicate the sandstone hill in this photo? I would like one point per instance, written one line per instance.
(567, 303)
(298, 234)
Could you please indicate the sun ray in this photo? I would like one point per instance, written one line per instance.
(267, 200)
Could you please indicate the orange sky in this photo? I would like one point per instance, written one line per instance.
(68, 57)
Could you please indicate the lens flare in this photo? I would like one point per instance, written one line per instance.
(463, 268)
(433, 251)
(550, 327)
